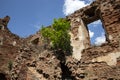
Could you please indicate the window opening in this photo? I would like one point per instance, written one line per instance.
(96, 33)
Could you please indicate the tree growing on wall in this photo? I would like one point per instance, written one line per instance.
(58, 35)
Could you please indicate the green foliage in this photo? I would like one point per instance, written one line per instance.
(10, 65)
(58, 35)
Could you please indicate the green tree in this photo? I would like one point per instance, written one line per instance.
(58, 35)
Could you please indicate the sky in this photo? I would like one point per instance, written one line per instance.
(27, 16)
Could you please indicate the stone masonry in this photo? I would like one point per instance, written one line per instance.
(95, 62)
(108, 11)
(32, 59)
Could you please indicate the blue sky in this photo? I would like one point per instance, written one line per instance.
(27, 16)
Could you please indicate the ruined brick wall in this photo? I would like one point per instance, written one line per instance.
(31, 60)
(110, 15)
(108, 11)
(9, 46)
(96, 62)
(28, 58)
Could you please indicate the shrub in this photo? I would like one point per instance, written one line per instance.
(58, 35)
(10, 65)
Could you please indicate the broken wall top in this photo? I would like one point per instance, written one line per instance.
(108, 11)
(91, 12)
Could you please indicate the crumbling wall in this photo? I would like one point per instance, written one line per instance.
(79, 36)
(33, 64)
(110, 14)
(96, 62)
(9, 46)
(79, 32)
(26, 58)
(107, 11)
(32, 60)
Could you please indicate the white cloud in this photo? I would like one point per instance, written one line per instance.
(96, 23)
(91, 34)
(72, 5)
(101, 39)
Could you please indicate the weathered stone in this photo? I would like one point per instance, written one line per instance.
(103, 57)
(33, 60)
